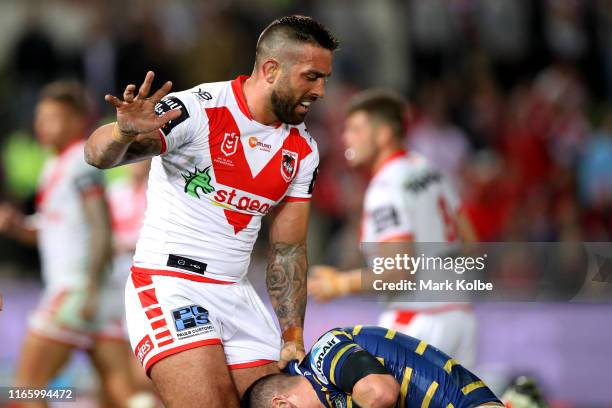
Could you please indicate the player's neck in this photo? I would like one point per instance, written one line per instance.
(258, 102)
(385, 156)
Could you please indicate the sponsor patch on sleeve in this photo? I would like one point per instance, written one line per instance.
(320, 350)
(385, 218)
(166, 105)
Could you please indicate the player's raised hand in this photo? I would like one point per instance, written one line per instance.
(136, 112)
(325, 283)
(10, 219)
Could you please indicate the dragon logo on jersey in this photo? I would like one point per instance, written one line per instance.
(230, 143)
(199, 179)
(288, 164)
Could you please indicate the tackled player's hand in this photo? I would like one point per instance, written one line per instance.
(326, 283)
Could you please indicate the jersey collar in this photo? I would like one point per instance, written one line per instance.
(238, 90)
(394, 156)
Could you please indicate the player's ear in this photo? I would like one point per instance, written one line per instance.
(281, 401)
(270, 70)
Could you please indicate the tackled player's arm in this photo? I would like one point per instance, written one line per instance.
(286, 274)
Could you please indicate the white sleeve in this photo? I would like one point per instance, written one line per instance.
(302, 185)
(451, 197)
(390, 215)
(180, 131)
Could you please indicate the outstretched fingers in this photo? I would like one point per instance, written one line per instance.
(113, 100)
(143, 92)
(161, 92)
(167, 117)
(128, 94)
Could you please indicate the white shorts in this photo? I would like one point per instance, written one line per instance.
(451, 328)
(168, 312)
(58, 317)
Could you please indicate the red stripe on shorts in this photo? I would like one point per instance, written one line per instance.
(147, 298)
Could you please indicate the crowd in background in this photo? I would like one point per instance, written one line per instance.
(512, 99)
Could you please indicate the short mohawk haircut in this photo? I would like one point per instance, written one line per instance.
(302, 29)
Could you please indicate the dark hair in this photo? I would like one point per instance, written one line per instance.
(296, 28)
(386, 106)
(260, 393)
(69, 93)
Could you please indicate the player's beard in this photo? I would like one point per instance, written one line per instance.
(284, 105)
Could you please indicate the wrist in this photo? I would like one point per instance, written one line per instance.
(294, 334)
(122, 136)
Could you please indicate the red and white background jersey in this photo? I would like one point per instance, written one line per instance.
(63, 231)
(219, 173)
(408, 199)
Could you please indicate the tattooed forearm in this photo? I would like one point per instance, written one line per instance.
(286, 282)
(104, 152)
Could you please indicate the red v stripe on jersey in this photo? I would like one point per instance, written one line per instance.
(268, 183)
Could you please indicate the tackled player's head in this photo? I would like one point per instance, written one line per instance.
(294, 55)
(280, 391)
(375, 122)
(61, 113)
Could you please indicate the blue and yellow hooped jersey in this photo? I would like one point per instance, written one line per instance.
(427, 376)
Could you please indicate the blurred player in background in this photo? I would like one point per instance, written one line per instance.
(73, 232)
(407, 201)
(372, 367)
(224, 155)
(127, 198)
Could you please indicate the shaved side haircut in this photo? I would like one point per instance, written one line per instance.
(292, 29)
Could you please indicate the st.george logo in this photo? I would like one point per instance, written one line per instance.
(288, 164)
(198, 180)
(230, 143)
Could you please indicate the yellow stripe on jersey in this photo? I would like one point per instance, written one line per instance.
(429, 394)
(404, 388)
(337, 358)
(421, 347)
(349, 401)
(382, 360)
(390, 334)
(449, 365)
(357, 329)
(450, 406)
(471, 387)
(341, 333)
(328, 400)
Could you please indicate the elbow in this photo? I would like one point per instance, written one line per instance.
(93, 159)
(380, 391)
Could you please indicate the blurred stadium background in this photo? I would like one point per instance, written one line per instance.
(511, 98)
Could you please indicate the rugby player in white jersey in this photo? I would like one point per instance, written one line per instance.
(224, 155)
(407, 201)
(73, 232)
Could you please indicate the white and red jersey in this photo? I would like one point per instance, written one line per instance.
(63, 231)
(219, 173)
(408, 199)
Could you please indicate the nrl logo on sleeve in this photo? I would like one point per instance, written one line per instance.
(288, 164)
(198, 180)
(230, 143)
(319, 351)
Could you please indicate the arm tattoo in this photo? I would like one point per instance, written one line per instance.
(286, 282)
(142, 147)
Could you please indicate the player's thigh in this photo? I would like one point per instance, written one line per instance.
(244, 377)
(197, 377)
(40, 360)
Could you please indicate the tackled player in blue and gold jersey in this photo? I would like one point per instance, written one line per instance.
(371, 367)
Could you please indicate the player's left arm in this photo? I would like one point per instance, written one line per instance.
(99, 252)
(286, 275)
